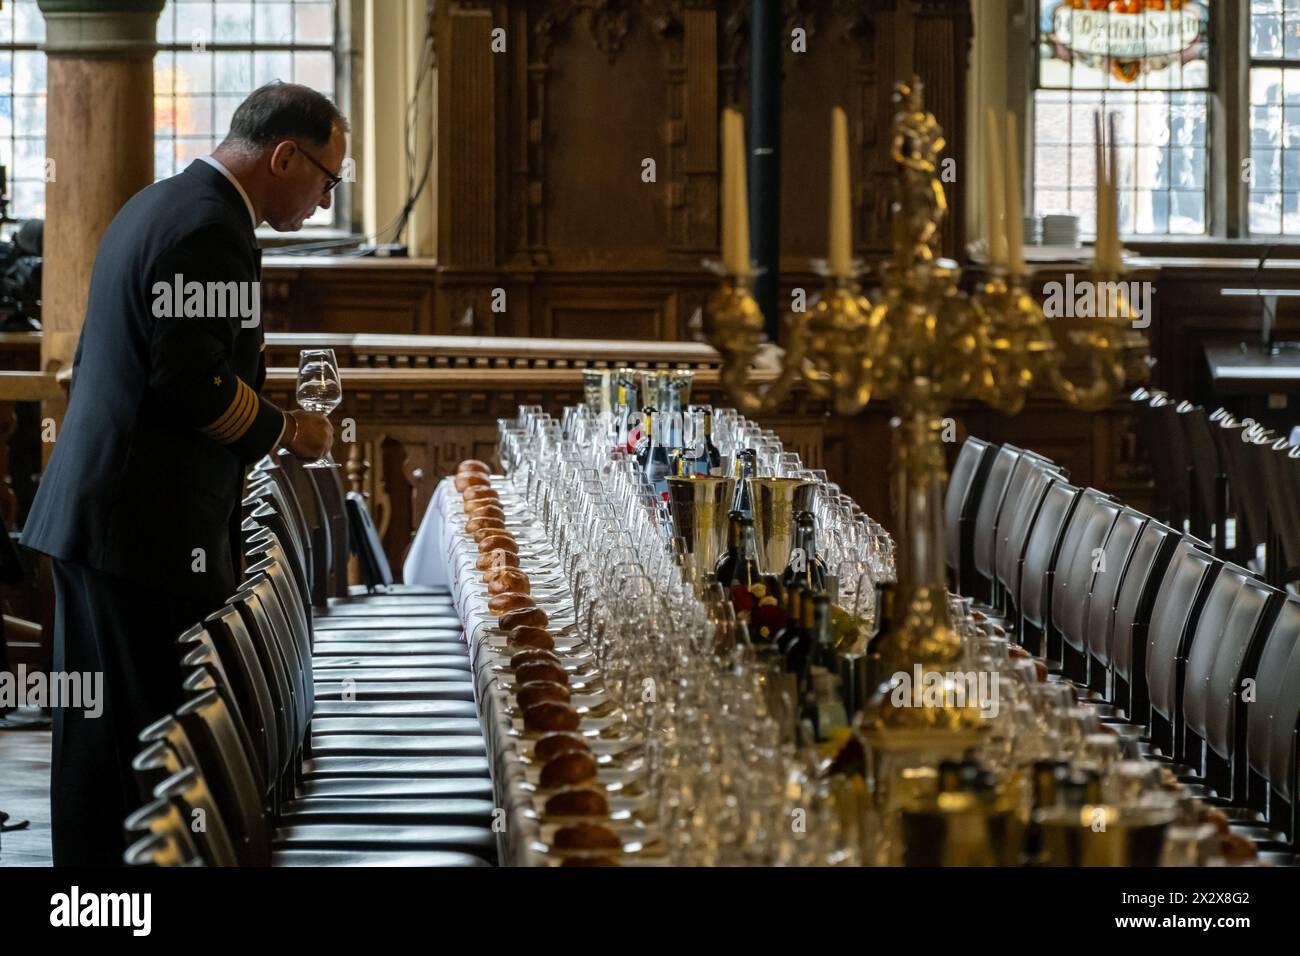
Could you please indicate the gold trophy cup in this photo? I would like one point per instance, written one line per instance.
(700, 505)
(775, 502)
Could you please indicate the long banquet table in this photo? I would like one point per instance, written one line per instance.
(442, 554)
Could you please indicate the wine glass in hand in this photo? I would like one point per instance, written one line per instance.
(320, 389)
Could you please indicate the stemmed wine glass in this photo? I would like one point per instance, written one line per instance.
(320, 389)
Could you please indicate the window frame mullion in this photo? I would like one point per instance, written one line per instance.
(1230, 120)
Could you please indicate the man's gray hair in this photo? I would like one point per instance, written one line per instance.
(281, 111)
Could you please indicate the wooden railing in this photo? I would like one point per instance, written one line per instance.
(415, 406)
(495, 352)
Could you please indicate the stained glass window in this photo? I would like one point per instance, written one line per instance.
(1144, 63)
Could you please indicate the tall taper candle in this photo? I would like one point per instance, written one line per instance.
(1015, 214)
(730, 259)
(993, 172)
(735, 201)
(841, 242)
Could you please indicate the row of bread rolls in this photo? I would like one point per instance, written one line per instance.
(541, 682)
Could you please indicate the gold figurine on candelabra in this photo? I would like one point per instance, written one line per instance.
(922, 344)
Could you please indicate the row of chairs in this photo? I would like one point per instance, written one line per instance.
(1198, 653)
(309, 509)
(346, 734)
(1214, 471)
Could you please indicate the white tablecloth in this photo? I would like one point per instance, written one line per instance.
(443, 553)
(441, 556)
(426, 562)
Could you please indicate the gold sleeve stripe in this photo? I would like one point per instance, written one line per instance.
(228, 414)
(244, 421)
(253, 405)
(233, 420)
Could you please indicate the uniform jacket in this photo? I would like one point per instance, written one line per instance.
(164, 413)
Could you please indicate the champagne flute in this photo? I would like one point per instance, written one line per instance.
(320, 389)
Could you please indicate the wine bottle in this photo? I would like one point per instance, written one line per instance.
(805, 564)
(625, 418)
(658, 467)
(829, 713)
(884, 617)
(823, 634)
(739, 566)
(726, 566)
(797, 643)
(793, 610)
(693, 448)
(679, 466)
(645, 439)
(746, 468)
(710, 457)
(1046, 778)
(620, 415)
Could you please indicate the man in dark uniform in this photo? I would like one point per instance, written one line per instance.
(138, 504)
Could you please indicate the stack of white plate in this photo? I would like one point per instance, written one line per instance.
(1060, 229)
(1033, 231)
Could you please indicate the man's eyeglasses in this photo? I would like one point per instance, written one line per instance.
(330, 179)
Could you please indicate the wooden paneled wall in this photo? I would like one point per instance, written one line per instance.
(543, 149)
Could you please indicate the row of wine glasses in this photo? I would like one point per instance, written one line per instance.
(723, 779)
(718, 754)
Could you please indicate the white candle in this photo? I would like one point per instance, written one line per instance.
(840, 255)
(1015, 215)
(1099, 160)
(993, 172)
(735, 201)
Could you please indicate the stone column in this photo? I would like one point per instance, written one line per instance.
(99, 135)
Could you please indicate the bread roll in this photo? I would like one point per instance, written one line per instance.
(570, 767)
(524, 617)
(510, 601)
(481, 493)
(537, 691)
(577, 803)
(511, 579)
(486, 509)
(587, 836)
(531, 655)
(479, 523)
(529, 636)
(470, 465)
(482, 534)
(551, 715)
(471, 479)
(502, 540)
(499, 558)
(491, 574)
(542, 670)
(552, 745)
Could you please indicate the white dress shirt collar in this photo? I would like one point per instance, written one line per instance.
(219, 167)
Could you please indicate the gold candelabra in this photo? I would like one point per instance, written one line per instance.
(922, 344)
